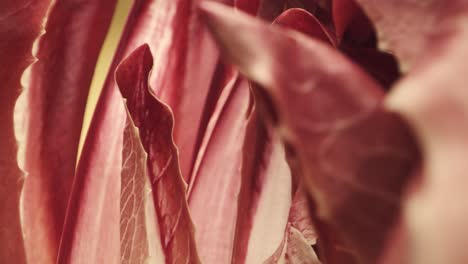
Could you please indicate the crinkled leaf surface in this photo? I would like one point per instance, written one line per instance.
(299, 250)
(155, 123)
(50, 111)
(167, 26)
(139, 233)
(324, 108)
(300, 236)
(178, 40)
(15, 55)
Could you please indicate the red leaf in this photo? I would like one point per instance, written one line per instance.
(51, 110)
(15, 52)
(225, 80)
(155, 123)
(343, 13)
(311, 6)
(177, 38)
(167, 27)
(265, 194)
(381, 65)
(214, 211)
(265, 9)
(304, 22)
(249, 6)
(322, 109)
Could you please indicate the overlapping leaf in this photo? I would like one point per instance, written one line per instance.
(166, 26)
(432, 97)
(139, 233)
(155, 123)
(411, 29)
(50, 111)
(214, 212)
(265, 194)
(16, 44)
(323, 109)
(178, 40)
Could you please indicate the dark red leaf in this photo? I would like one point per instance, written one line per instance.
(311, 6)
(155, 123)
(343, 13)
(304, 22)
(381, 65)
(265, 9)
(249, 6)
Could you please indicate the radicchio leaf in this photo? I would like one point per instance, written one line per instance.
(51, 110)
(311, 6)
(323, 108)
(300, 218)
(223, 83)
(381, 65)
(219, 172)
(139, 231)
(430, 38)
(155, 123)
(167, 26)
(299, 250)
(16, 44)
(265, 9)
(304, 22)
(432, 97)
(265, 194)
(411, 28)
(264, 167)
(343, 12)
(300, 237)
(173, 31)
